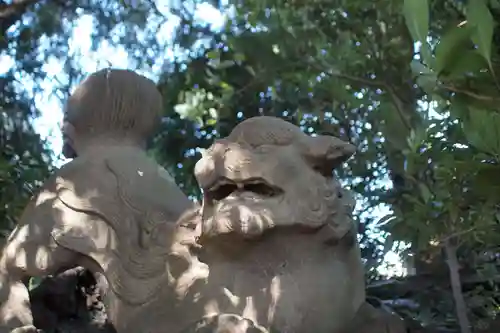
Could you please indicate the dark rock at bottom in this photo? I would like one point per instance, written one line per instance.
(69, 302)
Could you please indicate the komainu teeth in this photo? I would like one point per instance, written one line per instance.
(224, 187)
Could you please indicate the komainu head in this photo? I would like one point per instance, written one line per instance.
(267, 173)
(113, 104)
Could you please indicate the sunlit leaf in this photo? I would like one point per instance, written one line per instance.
(214, 54)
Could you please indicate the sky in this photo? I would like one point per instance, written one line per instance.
(105, 56)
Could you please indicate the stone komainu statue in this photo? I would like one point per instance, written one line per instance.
(275, 232)
(108, 210)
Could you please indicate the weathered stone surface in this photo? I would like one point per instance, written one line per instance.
(276, 230)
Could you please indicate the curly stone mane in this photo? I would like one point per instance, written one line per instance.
(258, 131)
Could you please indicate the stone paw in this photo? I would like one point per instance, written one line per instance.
(226, 323)
(26, 329)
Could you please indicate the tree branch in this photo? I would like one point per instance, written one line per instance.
(398, 104)
(456, 286)
(471, 94)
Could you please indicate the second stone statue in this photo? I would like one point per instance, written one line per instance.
(273, 248)
(108, 210)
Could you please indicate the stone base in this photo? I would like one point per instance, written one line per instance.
(70, 303)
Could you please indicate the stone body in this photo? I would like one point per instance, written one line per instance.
(275, 232)
(107, 210)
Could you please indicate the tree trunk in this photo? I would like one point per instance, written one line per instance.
(456, 286)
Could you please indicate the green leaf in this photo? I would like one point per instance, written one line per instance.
(451, 46)
(426, 54)
(453, 212)
(459, 109)
(250, 70)
(428, 82)
(213, 113)
(416, 138)
(225, 64)
(482, 130)
(388, 244)
(411, 199)
(425, 192)
(188, 111)
(468, 62)
(416, 13)
(214, 54)
(239, 57)
(225, 86)
(182, 110)
(418, 68)
(394, 127)
(34, 282)
(480, 18)
(211, 122)
(384, 220)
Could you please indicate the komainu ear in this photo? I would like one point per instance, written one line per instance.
(325, 153)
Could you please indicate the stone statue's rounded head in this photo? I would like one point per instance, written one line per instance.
(112, 103)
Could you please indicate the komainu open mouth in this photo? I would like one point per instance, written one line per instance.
(224, 187)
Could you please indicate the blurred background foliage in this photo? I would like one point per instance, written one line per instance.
(412, 83)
